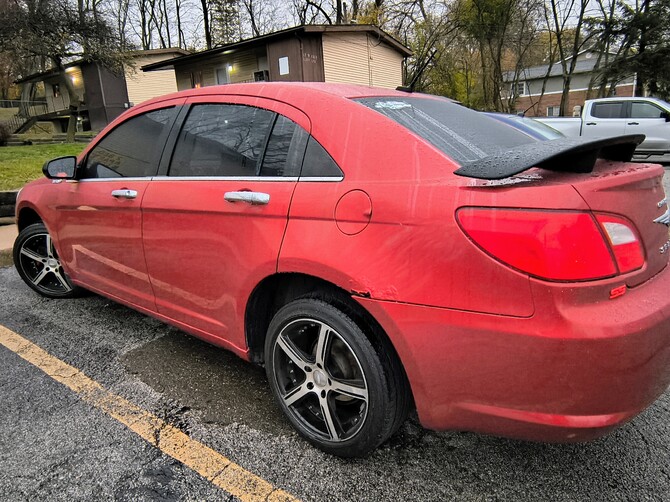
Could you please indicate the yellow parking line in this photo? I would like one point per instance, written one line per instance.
(208, 463)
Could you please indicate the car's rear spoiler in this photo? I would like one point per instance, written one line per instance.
(574, 155)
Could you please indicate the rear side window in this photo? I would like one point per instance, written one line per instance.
(318, 163)
(285, 149)
(463, 134)
(641, 110)
(131, 149)
(608, 110)
(221, 140)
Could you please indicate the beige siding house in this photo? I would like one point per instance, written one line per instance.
(142, 85)
(359, 58)
(353, 54)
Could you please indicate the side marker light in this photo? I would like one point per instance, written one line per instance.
(617, 292)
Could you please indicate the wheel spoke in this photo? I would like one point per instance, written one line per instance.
(328, 419)
(61, 278)
(43, 273)
(322, 345)
(289, 349)
(32, 255)
(50, 246)
(295, 395)
(349, 390)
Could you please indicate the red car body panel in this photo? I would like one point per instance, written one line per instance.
(230, 248)
(485, 347)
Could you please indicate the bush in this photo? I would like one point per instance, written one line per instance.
(5, 133)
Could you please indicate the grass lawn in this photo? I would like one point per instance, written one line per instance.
(21, 164)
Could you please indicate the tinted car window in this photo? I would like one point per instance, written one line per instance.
(318, 162)
(221, 140)
(132, 149)
(285, 149)
(455, 130)
(608, 110)
(640, 110)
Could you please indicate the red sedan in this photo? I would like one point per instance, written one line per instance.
(378, 251)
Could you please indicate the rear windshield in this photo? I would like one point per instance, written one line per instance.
(463, 134)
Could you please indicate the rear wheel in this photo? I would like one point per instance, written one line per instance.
(37, 262)
(329, 380)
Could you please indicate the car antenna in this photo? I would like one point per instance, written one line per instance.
(412, 84)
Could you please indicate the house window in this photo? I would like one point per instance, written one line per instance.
(196, 80)
(56, 90)
(553, 111)
(519, 89)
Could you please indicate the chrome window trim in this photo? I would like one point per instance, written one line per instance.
(331, 179)
(120, 178)
(308, 179)
(250, 178)
(225, 178)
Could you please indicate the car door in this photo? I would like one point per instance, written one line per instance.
(606, 119)
(214, 222)
(99, 220)
(649, 119)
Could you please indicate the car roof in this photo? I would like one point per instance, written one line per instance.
(289, 91)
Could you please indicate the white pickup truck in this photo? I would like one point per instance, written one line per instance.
(607, 117)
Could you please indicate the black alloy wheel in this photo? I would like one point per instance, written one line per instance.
(330, 381)
(37, 262)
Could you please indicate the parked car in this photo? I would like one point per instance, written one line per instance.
(377, 251)
(607, 117)
(530, 126)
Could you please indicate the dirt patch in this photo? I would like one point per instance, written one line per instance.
(6, 258)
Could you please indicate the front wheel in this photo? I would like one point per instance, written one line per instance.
(331, 383)
(37, 262)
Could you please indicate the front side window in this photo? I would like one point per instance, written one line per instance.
(641, 110)
(221, 140)
(614, 110)
(131, 149)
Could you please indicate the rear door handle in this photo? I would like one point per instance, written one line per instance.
(633, 123)
(591, 123)
(253, 198)
(124, 194)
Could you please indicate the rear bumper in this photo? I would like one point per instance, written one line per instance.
(573, 371)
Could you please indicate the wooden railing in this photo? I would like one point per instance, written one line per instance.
(28, 112)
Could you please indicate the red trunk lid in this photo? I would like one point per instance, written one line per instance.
(635, 192)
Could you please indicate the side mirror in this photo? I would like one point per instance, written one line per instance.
(62, 168)
(666, 116)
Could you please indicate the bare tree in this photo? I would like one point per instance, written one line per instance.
(59, 31)
(566, 19)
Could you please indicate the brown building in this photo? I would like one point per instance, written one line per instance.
(533, 102)
(356, 54)
(104, 94)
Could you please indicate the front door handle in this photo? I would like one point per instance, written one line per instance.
(633, 123)
(591, 123)
(253, 198)
(124, 194)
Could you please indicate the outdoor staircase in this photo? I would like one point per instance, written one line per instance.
(27, 117)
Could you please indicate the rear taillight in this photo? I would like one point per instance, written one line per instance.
(555, 245)
(624, 242)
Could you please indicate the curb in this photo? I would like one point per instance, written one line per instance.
(7, 203)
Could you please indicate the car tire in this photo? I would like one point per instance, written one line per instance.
(338, 392)
(37, 262)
